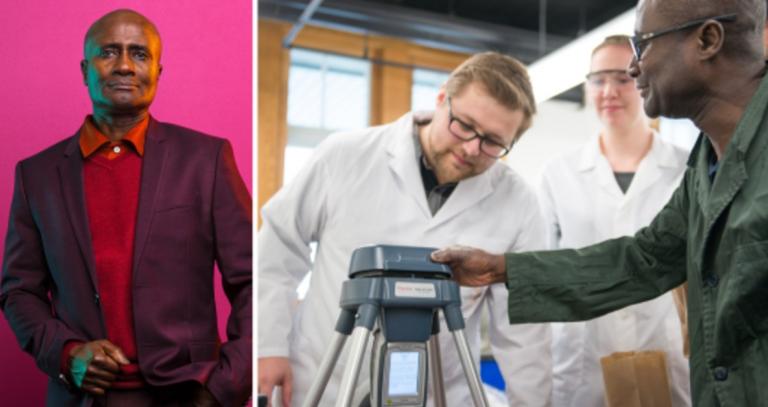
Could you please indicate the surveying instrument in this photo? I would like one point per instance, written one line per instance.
(401, 289)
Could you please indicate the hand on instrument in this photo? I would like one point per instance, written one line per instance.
(95, 365)
(472, 267)
(275, 371)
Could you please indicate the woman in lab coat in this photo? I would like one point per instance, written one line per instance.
(613, 186)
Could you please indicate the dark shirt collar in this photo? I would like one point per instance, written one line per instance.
(437, 194)
(713, 166)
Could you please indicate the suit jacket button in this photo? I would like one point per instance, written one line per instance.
(711, 281)
(65, 381)
(721, 373)
(96, 299)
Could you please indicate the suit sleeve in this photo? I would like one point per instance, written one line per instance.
(292, 219)
(230, 381)
(26, 285)
(522, 351)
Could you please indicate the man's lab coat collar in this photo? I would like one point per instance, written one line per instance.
(403, 162)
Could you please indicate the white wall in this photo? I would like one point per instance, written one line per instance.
(558, 127)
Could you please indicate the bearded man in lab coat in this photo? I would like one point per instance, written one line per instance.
(425, 180)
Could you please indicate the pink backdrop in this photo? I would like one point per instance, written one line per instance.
(205, 85)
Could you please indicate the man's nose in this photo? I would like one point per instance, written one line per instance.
(124, 64)
(472, 147)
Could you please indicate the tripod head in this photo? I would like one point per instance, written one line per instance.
(396, 261)
(405, 286)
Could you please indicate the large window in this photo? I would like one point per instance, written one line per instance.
(326, 93)
(426, 85)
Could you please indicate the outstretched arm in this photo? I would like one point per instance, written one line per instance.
(575, 285)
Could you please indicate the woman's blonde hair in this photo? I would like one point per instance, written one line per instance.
(619, 40)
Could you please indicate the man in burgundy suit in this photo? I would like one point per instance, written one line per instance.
(113, 235)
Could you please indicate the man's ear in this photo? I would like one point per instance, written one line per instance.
(84, 70)
(709, 39)
(441, 95)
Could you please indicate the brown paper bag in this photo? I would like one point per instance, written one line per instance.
(680, 294)
(636, 379)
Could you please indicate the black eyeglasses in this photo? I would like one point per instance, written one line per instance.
(638, 40)
(465, 132)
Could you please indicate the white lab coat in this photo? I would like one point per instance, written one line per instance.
(364, 187)
(583, 204)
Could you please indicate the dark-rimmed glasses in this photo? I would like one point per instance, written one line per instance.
(465, 132)
(638, 40)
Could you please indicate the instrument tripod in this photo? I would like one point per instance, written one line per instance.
(402, 290)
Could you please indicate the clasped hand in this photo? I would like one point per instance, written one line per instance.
(95, 365)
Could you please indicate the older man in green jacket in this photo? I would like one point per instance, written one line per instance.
(700, 59)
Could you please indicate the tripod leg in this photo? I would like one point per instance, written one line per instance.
(347, 389)
(366, 318)
(473, 378)
(326, 368)
(435, 366)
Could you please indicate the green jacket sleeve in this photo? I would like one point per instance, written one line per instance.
(575, 285)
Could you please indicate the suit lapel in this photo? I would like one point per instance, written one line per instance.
(73, 191)
(151, 173)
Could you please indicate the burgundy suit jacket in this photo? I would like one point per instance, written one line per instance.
(194, 211)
